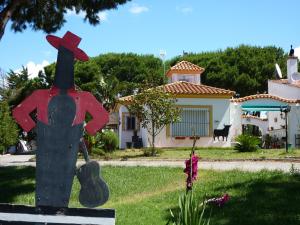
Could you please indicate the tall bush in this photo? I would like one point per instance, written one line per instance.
(110, 141)
(247, 143)
(8, 127)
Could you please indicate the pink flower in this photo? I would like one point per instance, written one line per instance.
(219, 201)
(191, 173)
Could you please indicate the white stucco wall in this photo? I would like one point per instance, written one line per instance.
(273, 116)
(220, 114)
(194, 78)
(283, 90)
(235, 120)
(262, 124)
(236, 109)
(293, 123)
(293, 119)
(125, 135)
(289, 92)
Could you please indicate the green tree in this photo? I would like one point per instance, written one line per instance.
(8, 127)
(19, 86)
(112, 74)
(250, 66)
(107, 91)
(131, 70)
(155, 109)
(49, 15)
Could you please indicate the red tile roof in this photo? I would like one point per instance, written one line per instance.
(189, 89)
(268, 96)
(185, 67)
(183, 87)
(126, 98)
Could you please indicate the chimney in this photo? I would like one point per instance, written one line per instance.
(292, 67)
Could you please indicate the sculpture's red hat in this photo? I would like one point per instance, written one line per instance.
(69, 41)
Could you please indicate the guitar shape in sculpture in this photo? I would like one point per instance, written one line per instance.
(94, 191)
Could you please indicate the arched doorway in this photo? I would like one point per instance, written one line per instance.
(275, 111)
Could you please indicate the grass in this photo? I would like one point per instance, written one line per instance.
(205, 154)
(144, 196)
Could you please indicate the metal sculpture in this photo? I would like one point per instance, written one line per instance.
(222, 132)
(61, 113)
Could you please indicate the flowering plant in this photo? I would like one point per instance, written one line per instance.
(191, 211)
(191, 169)
(219, 201)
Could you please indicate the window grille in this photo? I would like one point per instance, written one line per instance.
(192, 120)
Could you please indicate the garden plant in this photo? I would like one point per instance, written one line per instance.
(246, 143)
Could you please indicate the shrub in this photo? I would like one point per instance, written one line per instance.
(98, 152)
(247, 143)
(294, 171)
(8, 127)
(148, 152)
(190, 212)
(110, 141)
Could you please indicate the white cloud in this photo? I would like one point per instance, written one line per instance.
(102, 16)
(81, 14)
(33, 69)
(184, 9)
(137, 9)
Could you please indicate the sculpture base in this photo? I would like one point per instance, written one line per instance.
(29, 215)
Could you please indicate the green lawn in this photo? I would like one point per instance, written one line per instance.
(207, 154)
(144, 196)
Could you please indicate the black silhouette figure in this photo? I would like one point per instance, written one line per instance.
(292, 51)
(222, 132)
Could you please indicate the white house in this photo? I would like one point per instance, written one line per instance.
(282, 94)
(204, 108)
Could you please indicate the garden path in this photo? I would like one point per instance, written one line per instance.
(247, 165)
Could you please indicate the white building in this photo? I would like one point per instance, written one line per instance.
(204, 108)
(282, 94)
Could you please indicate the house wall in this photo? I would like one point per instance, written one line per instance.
(262, 124)
(293, 124)
(283, 90)
(272, 118)
(293, 119)
(125, 135)
(195, 78)
(235, 120)
(290, 92)
(220, 116)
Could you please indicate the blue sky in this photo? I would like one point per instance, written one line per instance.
(146, 27)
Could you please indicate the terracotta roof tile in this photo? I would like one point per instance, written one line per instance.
(187, 88)
(185, 67)
(126, 98)
(183, 87)
(268, 96)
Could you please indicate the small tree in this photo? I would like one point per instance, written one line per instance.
(155, 109)
(8, 127)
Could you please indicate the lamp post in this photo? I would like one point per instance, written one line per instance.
(285, 110)
(162, 54)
